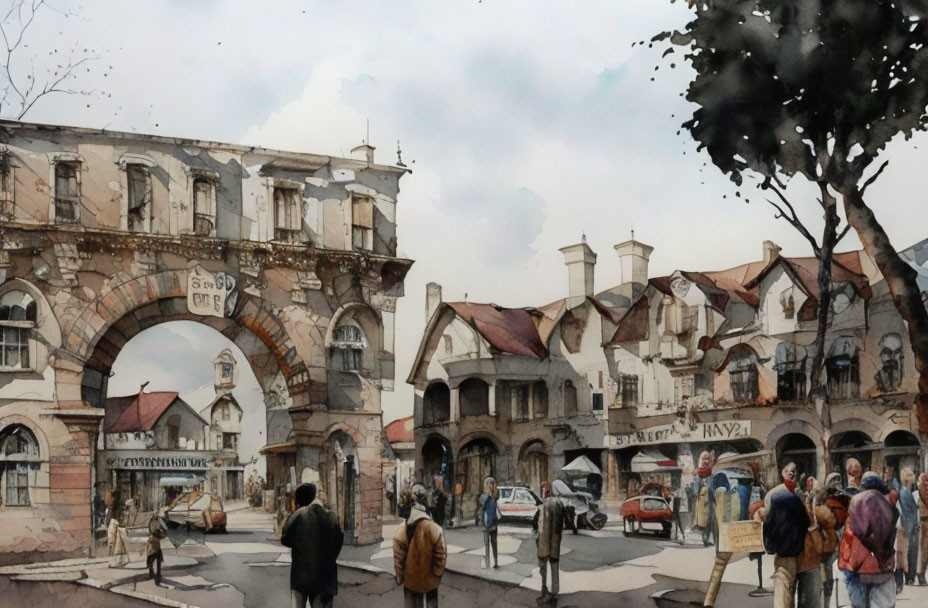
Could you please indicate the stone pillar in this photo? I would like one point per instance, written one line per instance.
(491, 397)
(612, 475)
(531, 401)
(456, 404)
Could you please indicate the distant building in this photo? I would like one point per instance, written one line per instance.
(226, 477)
(399, 468)
(146, 437)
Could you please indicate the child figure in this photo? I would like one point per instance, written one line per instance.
(156, 532)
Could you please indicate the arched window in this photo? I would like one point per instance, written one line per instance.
(890, 376)
(843, 369)
(19, 455)
(791, 371)
(540, 399)
(347, 349)
(436, 404)
(742, 374)
(474, 394)
(17, 319)
(570, 398)
(476, 462)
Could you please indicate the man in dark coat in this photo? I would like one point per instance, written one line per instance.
(314, 535)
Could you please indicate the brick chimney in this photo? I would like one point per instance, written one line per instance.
(580, 261)
(771, 251)
(432, 300)
(633, 261)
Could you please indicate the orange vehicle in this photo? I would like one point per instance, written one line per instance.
(201, 510)
(647, 512)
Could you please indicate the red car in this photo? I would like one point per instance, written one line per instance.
(648, 513)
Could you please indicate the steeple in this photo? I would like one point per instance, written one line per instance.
(224, 380)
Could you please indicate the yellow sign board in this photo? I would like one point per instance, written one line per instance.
(740, 537)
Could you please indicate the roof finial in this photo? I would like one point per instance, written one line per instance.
(465, 296)
(142, 388)
(399, 155)
(633, 231)
(584, 236)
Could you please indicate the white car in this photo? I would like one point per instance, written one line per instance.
(517, 502)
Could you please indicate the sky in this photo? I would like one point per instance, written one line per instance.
(526, 125)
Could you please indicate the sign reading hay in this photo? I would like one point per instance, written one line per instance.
(740, 537)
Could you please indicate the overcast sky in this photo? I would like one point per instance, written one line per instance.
(529, 123)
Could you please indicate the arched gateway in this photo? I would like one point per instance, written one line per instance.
(271, 249)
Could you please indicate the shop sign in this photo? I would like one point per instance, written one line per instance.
(152, 460)
(740, 537)
(679, 432)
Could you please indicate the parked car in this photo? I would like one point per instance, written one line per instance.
(518, 503)
(198, 508)
(646, 512)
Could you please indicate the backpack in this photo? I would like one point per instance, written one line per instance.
(873, 521)
(489, 513)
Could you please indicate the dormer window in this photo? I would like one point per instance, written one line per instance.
(788, 303)
(791, 371)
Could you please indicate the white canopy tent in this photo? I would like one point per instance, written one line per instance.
(581, 464)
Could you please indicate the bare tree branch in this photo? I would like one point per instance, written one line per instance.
(873, 177)
(841, 235)
(791, 217)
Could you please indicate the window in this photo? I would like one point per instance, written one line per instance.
(791, 372)
(683, 388)
(519, 394)
(19, 455)
(7, 182)
(597, 402)
(229, 441)
(474, 397)
(173, 435)
(17, 318)
(138, 183)
(67, 191)
(570, 398)
(436, 404)
(628, 389)
(347, 348)
(843, 369)
(742, 374)
(788, 303)
(889, 377)
(226, 370)
(362, 223)
(287, 213)
(204, 209)
(449, 345)
(540, 397)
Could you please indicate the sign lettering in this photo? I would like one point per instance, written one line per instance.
(154, 461)
(210, 294)
(679, 432)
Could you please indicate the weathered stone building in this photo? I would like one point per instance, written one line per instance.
(291, 256)
(724, 359)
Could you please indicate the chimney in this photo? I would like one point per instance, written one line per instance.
(580, 261)
(364, 152)
(633, 261)
(771, 252)
(432, 300)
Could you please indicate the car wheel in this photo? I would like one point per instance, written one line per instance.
(628, 526)
(597, 521)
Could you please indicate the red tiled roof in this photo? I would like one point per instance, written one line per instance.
(634, 325)
(400, 431)
(136, 412)
(805, 270)
(509, 330)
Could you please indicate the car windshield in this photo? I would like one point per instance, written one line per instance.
(505, 492)
(653, 504)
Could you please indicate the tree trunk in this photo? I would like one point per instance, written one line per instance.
(901, 280)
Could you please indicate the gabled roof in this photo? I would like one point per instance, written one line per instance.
(511, 331)
(633, 327)
(136, 412)
(400, 431)
(845, 268)
(207, 411)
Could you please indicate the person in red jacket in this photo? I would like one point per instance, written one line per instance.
(866, 553)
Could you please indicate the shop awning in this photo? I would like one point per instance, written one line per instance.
(287, 447)
(582, 464)
(648, 461)
(731, 458)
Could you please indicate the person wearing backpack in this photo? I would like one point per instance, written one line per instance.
(866, 554)
(488, 516)
(419, 554)
(313, 534)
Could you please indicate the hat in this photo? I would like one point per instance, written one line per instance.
(419, 492)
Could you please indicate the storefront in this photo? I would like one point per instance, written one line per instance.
(137, 474)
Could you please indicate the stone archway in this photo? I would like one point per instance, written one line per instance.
(533, 465)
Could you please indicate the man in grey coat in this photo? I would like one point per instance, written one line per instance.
(548, 524)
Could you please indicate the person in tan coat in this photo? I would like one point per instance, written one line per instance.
(419, 554)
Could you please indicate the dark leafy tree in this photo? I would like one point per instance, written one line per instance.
(815, 89)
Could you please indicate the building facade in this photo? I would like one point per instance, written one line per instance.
(292, 256)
